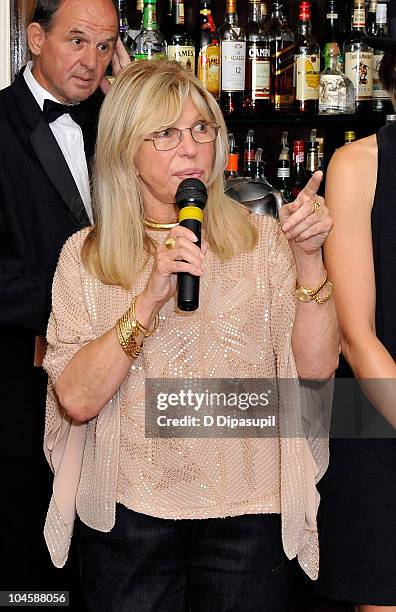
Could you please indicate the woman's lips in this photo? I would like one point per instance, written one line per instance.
(190, 174)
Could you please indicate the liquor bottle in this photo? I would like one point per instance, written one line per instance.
(282, 48)
(149, 43)
(381, 101)
(306, 63)
(231, 170)
(283, 183)
(233, 58)
(208, 51)
(258, 167)
(264, 17)
(320, 141)
(332, 34)
(312, 161)
(249, 153)
(336, 91)
(298, 174)
(166, 19)
(123, 21)
(371, 24)
(390, 118)
(349, 136)
(258, 78)
(180, 44)
(359, 59)
(135, 25)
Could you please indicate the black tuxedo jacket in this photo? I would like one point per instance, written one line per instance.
(40, 207)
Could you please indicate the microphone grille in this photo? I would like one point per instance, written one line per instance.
(191, 190)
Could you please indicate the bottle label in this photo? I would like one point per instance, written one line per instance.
(359, 17)
(332, 93)
(180, 12)
(283, 173)
(185, 55)
(331, 15)
(359, 68)
(233, 57)
(259, 67)
(307, 70)
(378, 92)
(283, 59)
(209, 68)
(299, 157)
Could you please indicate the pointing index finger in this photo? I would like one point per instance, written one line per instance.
(311, 188)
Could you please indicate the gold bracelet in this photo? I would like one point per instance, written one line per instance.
(126, 337)
(137, 327)
(328, 295)
(306, 294)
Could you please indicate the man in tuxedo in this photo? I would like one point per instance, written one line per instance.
(48, 120)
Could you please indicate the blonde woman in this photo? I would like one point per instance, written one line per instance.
(244, 507)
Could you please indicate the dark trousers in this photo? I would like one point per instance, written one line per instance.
(149, 564)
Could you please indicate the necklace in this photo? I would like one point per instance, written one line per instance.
(159, 226)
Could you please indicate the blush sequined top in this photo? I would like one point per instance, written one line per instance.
(242, 329)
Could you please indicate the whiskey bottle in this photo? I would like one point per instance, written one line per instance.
(359, 59)
(180, 44)
(233, 58)
(208, 51)
(258, 78)
(282, 47)
(306, 63)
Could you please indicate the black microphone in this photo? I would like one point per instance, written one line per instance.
(191, 198)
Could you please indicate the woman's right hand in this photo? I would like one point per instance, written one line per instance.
(185, 256)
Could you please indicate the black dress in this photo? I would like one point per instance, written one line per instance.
(357, 514)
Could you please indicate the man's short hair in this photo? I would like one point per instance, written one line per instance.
(45, 10)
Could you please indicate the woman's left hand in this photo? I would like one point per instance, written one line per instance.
(306, 222)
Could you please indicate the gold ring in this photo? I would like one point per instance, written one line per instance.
(170, 243)
(316, 206)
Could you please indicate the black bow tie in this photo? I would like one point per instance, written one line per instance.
(52, 110)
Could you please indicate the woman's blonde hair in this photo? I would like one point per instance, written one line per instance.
(147, 96)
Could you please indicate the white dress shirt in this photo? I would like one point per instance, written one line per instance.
(69, 137)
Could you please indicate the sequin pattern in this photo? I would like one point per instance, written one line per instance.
(241, 329)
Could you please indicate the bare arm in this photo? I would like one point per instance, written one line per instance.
(315, 338)
(349, 258)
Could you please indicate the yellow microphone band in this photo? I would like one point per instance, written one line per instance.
(191, 212)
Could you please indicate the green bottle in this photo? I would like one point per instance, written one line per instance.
(149, 43)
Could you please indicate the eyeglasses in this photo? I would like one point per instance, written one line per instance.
(169, 138)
